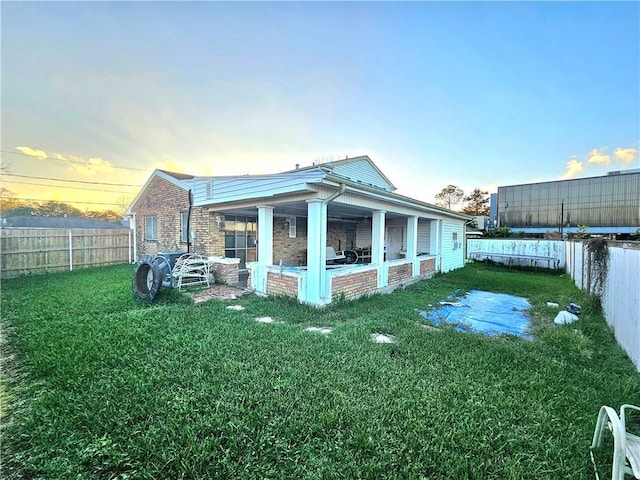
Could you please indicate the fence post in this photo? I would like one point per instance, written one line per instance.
(70, 251)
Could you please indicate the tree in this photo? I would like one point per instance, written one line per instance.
(52, 208)
(105, 215)
(9, 202)
(477, 203)
(499, 232)
(449, 196)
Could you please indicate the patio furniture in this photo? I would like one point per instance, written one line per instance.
(626, 446)
(191, 269)
(333, 257)
(364, 254)
(350, 256)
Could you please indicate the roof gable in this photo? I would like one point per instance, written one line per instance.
(176, 175)
(357, 169)
(179, 179)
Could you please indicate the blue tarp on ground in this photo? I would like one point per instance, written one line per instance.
(484, 312)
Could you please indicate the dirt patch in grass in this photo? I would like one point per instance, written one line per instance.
(217, 292)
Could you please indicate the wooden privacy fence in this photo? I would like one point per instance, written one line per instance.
(27, 251)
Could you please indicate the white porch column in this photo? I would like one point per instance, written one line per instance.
(377, 245)
(316, 252)
(412, 243)
(265, 245)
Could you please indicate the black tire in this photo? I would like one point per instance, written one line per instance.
(147, 278)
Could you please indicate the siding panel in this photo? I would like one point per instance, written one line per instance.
(452, 251)
(424, 236)
(362, 171)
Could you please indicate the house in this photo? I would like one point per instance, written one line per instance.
(274, 229)
(605, 205)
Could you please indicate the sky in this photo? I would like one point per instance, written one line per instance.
(474, 94)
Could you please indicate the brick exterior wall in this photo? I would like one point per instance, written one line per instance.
(282, 285)
(290, 250)
(285, 248)
(166, 201)
(355, 284)
(337, 236)
(205, 226)
(398, 273)
(427, 266)
(226, 272)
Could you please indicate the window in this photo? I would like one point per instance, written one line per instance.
(184, 227)
(292, 227)
(240, 235)
(150, 227)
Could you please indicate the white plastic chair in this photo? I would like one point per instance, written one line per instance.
(626, 446)
(334, 257)
(191, 269)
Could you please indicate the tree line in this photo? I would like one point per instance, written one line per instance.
(475, 204)
(11, 207)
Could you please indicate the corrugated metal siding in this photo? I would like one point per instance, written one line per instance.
(452, 251)
(424, 235)
(362, 171)
(609, 201)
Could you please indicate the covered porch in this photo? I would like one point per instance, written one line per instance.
(391, 247)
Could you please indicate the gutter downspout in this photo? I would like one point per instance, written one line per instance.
(335, 195)
(189, 222)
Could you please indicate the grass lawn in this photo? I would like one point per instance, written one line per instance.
(99, 385)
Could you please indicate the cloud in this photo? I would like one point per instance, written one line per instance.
(598, 156)
(99, 165)
(32, 152)
(87, 168)
(574, 167)
(625, 156)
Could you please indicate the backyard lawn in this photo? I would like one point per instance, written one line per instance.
(96, 384)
